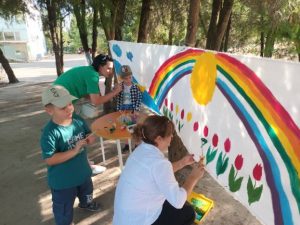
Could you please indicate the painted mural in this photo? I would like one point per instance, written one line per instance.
(241, 113)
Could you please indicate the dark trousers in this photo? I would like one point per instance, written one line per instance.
(63, 201)
(172, 216)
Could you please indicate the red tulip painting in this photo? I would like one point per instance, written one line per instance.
(212, 150)
(166, 102)
(205, 134)
(222, 162)
(215, 140)
(227, 145)
(238, 162)
(254, 193)
(257, 172)
(234, 182)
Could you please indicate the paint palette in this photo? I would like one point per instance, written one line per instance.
(201, 204)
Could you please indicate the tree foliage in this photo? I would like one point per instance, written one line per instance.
(8, 9)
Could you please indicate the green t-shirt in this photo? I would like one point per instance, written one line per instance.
(80, 81)
(56, 138)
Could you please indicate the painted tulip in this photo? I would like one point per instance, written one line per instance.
(176, 109)
(227, 145)
(171, 106)
(238, 162)
(196, 126)
(189, 116)
(182, 114)
(166, 102)
(215, 140)
(205, 131)
(257, 172)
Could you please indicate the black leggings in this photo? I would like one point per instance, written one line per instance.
(172, 216)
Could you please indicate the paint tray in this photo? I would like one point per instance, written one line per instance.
(201, 204)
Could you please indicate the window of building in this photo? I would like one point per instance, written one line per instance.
(17, 35)
(9, 36)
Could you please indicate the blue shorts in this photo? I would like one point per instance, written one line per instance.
(63, 201)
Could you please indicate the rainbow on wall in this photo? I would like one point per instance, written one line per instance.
(234, 77)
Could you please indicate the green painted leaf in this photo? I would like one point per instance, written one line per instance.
(234, 185)
(254, 194)
(210, 155)
(203, 142)
(165, 111)
(221, 165)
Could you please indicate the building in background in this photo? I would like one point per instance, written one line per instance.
(22, 38)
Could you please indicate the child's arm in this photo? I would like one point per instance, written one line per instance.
(62, 157)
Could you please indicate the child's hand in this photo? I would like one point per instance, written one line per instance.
(90, 139)
(79, 145)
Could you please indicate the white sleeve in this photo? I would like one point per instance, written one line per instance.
(165, 180)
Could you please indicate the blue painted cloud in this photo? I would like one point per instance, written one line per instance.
(129, 56)
(117, 50)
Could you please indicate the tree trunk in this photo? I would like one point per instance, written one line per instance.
(223, 23)
(80, 15)
(61, 56)
(120, 19)
(202, 23)
(226, 37)
(193, 20)
(95, 30)
(172, 21)
(218, 23)
(270, 41)
(144, 21)
(212, 28)
(7, 68)
(177, 149)
(52, 9)
(262, 43)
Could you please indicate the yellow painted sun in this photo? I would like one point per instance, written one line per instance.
(203, 78)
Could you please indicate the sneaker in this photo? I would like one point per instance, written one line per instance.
(93, 206)
(97, 169)
(125, 149)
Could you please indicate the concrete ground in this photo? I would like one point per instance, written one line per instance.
(24, 194)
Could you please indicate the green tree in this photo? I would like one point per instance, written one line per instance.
(8, 9)
(54, 14)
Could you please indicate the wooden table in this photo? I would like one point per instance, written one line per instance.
(110, 126)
